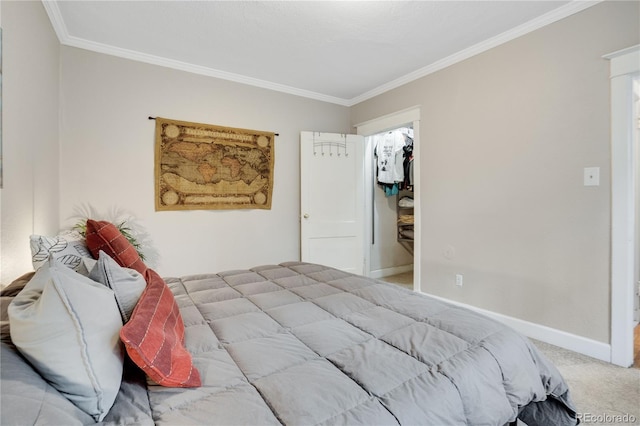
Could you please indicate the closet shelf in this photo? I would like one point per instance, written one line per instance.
(405, 219)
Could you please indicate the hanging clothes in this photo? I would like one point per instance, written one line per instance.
(391, 189)
(408, 162)
(390, 157)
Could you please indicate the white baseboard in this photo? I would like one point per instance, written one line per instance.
(572, 342)
(385, 272)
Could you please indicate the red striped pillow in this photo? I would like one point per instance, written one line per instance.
(103, 235)
(154, 337)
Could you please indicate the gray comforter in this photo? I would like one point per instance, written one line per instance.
(304, 344)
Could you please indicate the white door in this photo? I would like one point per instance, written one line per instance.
(332, 200)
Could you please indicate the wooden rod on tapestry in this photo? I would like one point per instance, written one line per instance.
(153, 118)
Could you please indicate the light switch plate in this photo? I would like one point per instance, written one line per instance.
(592, 176)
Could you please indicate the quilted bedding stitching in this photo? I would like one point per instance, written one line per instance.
(304, 301)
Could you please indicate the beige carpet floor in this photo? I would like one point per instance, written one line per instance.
(604, 394)
(404, 279)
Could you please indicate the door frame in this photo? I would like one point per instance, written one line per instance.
(406, 117)
(624, 64)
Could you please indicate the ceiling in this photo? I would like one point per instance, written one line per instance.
(342, 52)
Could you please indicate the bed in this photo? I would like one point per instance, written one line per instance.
(305, 344)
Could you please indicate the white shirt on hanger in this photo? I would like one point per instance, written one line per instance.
(390, 156)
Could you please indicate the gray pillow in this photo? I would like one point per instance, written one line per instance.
(86, 265)
(67, 326)
(127, 284)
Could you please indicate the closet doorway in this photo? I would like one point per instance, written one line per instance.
(388, 253)
(392, 212)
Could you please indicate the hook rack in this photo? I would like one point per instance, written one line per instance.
(330, 144)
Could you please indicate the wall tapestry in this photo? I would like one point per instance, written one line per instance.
(204, 167)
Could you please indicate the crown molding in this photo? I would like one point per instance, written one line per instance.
(57, 22)
(196, 69)
(60, 29)
(563, 12)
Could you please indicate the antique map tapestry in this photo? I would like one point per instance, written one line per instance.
(202, 167)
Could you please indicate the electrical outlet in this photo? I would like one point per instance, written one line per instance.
(459, 280)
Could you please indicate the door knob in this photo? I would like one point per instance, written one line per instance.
(306, 216)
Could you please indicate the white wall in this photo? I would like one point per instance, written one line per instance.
(636, 171)
(30, 105)
(107, 157)
(505, 136)
(0, 166)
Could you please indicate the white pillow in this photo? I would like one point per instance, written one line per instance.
(68, 247)
(67, 326)
(127, 284)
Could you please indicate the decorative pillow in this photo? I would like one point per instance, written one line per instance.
(88, 263)
(67, 326)
(68, 247)
(126, 283)
(154, 337)
(103, 235)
